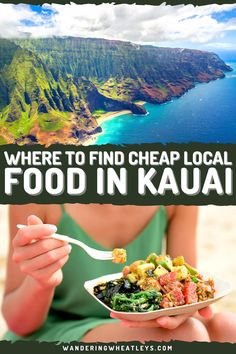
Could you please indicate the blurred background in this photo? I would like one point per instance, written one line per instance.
(216, 249)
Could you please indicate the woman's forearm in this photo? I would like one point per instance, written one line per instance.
(25, 309)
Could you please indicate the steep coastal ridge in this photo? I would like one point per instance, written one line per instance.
(55, 89)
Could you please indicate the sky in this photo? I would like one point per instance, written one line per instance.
(210, 27)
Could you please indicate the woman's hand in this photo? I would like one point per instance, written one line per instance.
(167, 322)
(39, 257)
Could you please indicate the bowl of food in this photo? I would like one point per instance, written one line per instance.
(157, 286)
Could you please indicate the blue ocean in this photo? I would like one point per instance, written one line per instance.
(207, 113)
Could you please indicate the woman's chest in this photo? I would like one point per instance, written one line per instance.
(116, 226)
(112, 226)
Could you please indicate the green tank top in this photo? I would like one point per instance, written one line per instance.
(73, 311)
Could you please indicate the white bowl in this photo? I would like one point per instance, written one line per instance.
(222, 289)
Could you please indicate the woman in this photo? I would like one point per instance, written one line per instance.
(44, 296)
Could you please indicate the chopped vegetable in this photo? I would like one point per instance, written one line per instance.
(194, 279)
(160, 271)
(143, 268)
(126, 271)
(134, 265)
(152, 258)
(178, 261)
(181, 272)
(132, 277)
(165, 262)
(192, 271)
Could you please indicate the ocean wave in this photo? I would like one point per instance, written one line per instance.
(141, 115)
(231, 76)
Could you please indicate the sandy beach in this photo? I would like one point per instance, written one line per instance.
(110, 115)
(216, 249)
(105, 117)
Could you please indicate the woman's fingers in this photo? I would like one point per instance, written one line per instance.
(38, 255)
(44, 260)
(33, 232)
(33, 220)
(118, 316)
(36, 249)
(52, 275)
(206, 312)
(173, 321)
(163, 322)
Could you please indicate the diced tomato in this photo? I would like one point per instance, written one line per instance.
(177, 297)
(167, 278)
(190, 293)
(166, 303)
(134, 265)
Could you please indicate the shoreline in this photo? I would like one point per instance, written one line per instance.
(105, 117)
(110, 115)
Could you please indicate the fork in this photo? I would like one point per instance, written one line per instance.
(92, 252)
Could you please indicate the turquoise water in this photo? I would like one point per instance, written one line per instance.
(206, 113)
